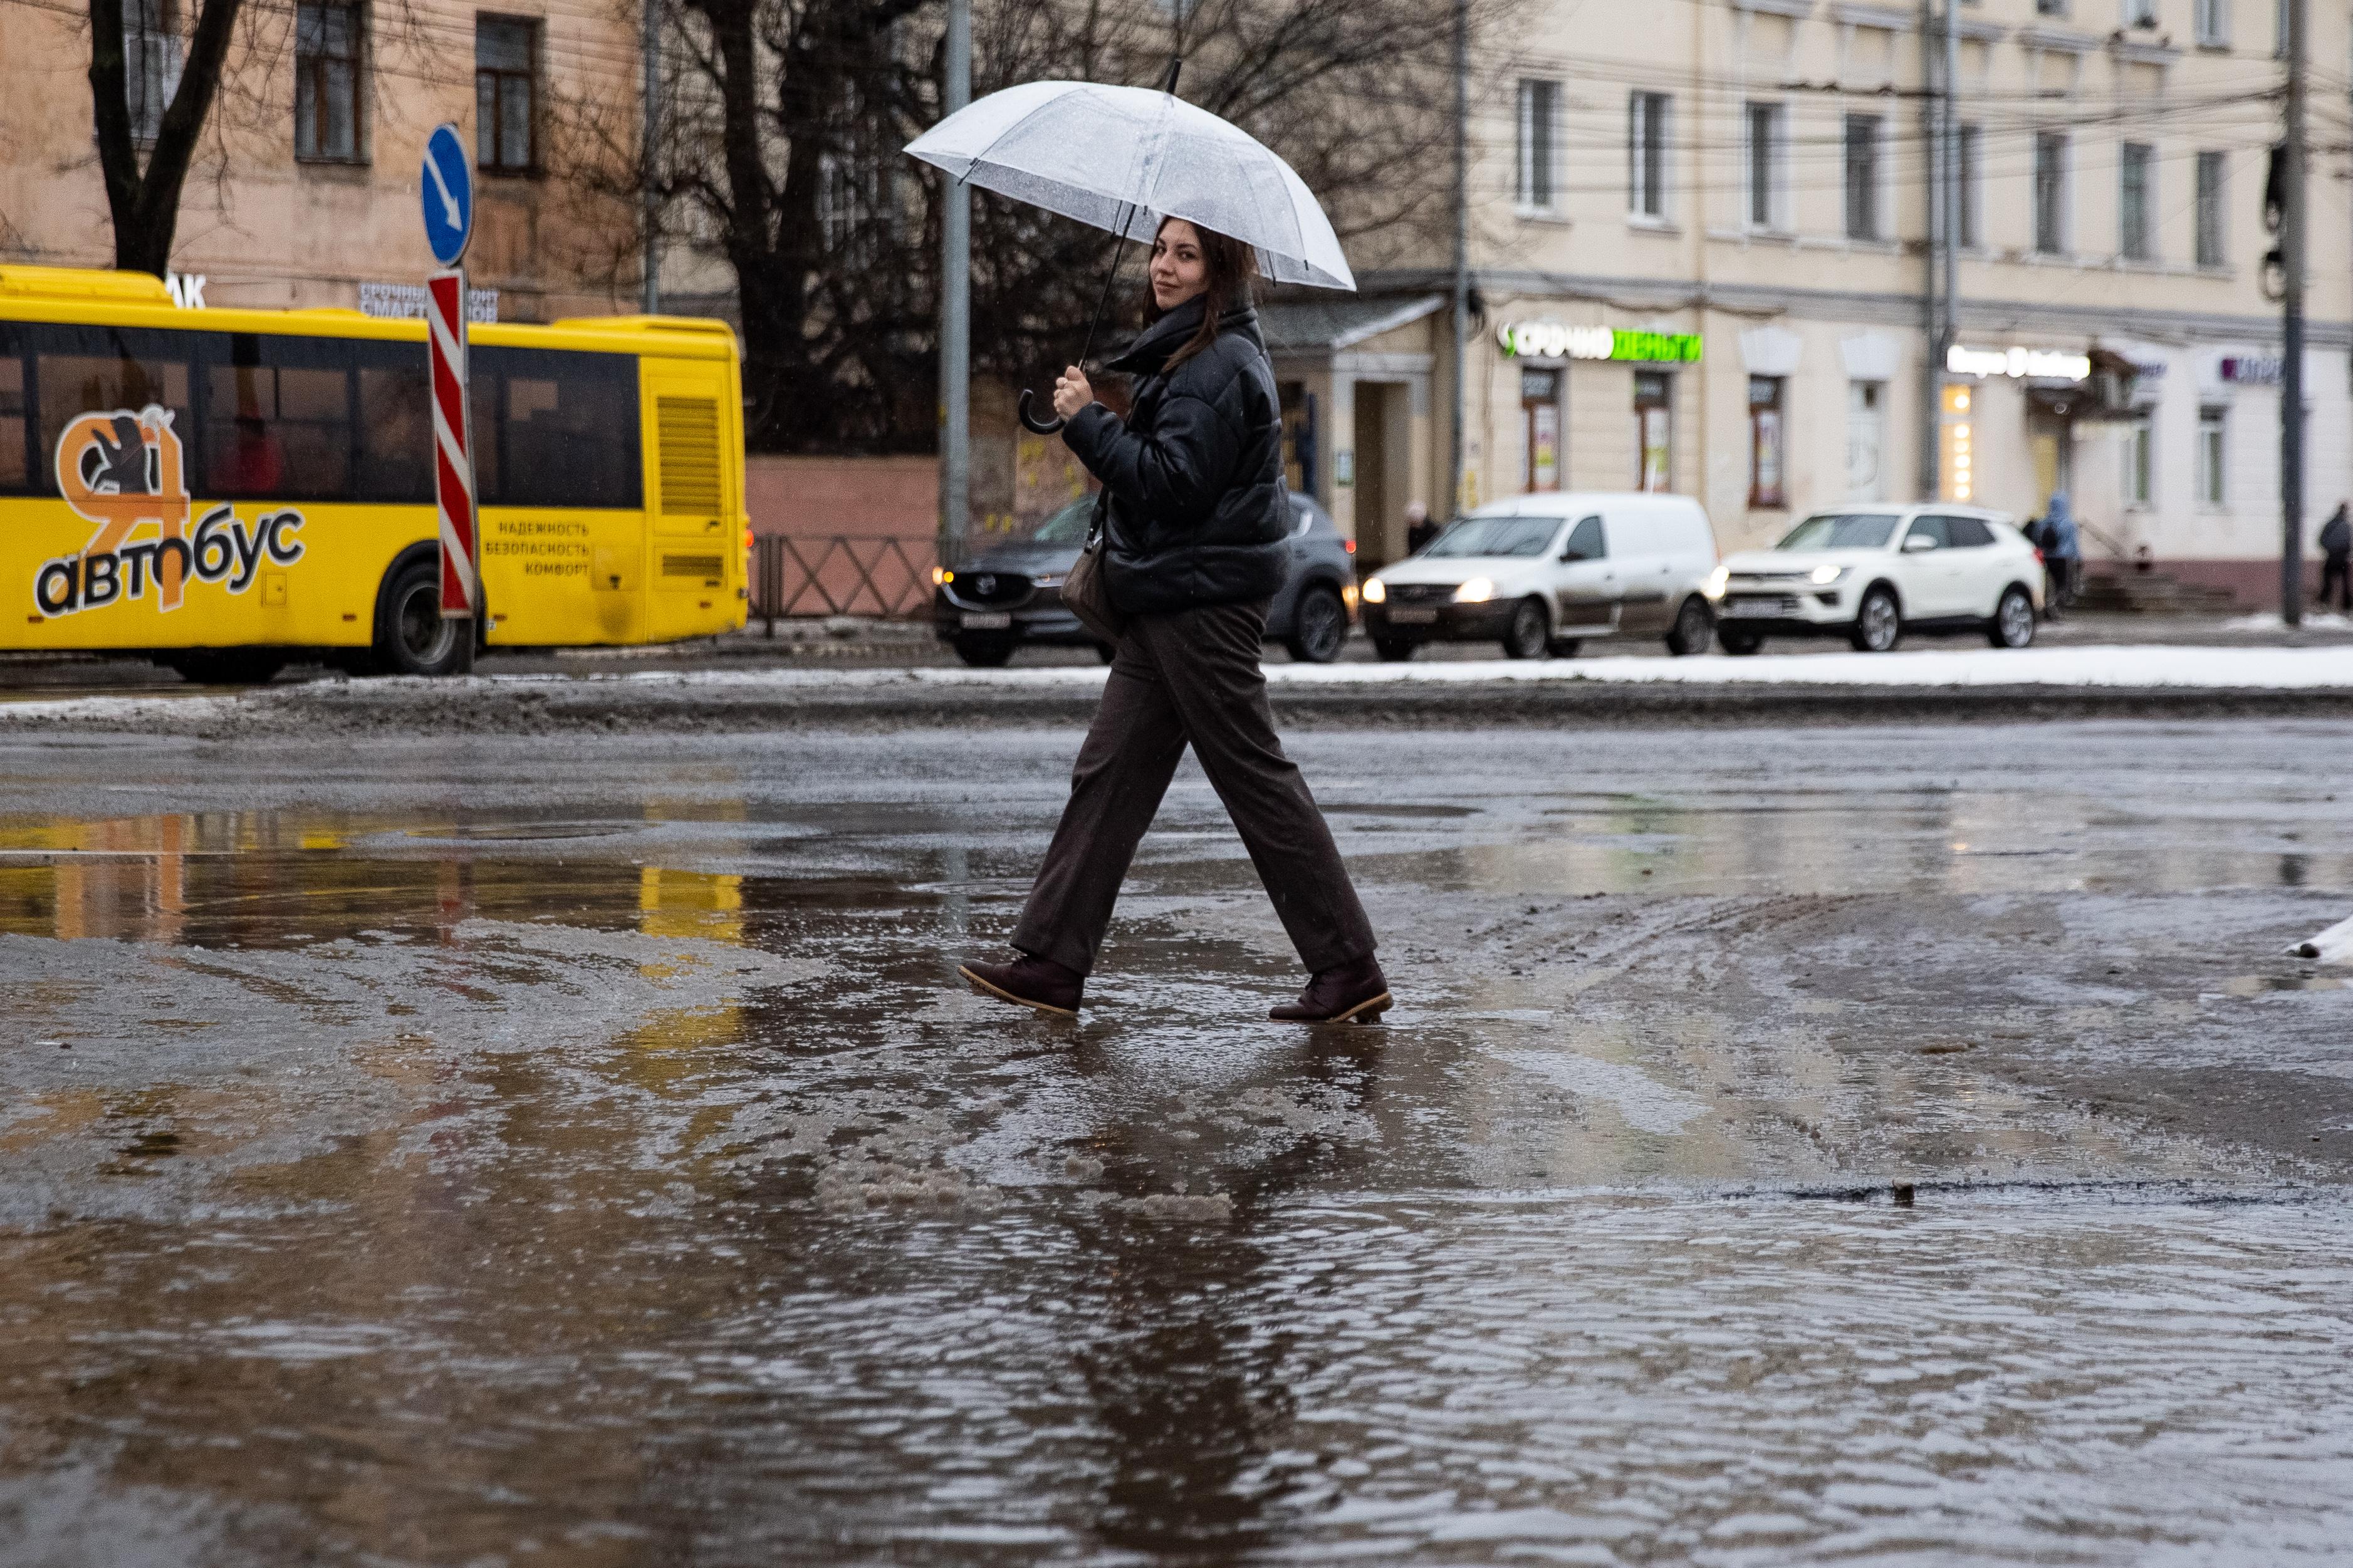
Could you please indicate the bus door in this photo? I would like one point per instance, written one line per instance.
(694, 499)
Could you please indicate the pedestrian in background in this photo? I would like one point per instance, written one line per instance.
(1418, 529)
(2336, 557)
(2063, 556)
(1195, 545)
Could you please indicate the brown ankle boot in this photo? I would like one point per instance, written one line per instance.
(1038, 982)
(1350, 994)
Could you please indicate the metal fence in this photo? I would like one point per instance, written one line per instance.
(838, 574)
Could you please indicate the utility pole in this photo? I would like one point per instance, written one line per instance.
(2291, 330)
(955, 309)
(1935, 155)
(1462, 253)
(650, 46)
(1951, 135)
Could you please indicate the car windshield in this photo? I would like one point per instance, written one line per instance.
(1839, 530)
(1496, 536)
(1067, 525)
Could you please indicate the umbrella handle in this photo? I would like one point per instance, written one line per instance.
(1038, 427)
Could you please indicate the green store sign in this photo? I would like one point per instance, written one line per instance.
(1552, 340)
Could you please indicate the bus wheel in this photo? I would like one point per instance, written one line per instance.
(411, 638)
(227, 667)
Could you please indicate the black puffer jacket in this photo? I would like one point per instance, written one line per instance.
(1194, 477)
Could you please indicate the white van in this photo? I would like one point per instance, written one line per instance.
(1541, 573)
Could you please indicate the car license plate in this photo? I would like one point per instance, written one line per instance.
(1759, 609)
(1413, 617)
(987, 620)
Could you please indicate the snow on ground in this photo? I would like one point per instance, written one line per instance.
(2250, 668)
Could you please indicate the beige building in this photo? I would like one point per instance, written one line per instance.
(1697, 250)
(304, 192)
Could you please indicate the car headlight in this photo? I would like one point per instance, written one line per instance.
(1823, 576)
(941, 576)
(1375, 591)
(1477, 591)
(1718, 581)
(1051, 581)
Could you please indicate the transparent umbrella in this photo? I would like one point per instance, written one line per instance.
(1126, 158)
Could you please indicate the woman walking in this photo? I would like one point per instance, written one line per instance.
(1196, 524)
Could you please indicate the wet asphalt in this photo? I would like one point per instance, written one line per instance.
(1859, 1143)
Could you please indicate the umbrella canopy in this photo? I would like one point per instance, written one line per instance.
(1123, 158)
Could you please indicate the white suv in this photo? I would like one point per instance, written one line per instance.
(1870, 574)
(1543, 572)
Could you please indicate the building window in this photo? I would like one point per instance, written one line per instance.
(2141, 13)
(1862, 176)
(1767, 442)
(1540, 429)
(2134, 201)
(1971, 170)
(2211, 490)
(1654, 430)
(2212, 20)
(1646, 153)
(2050, 193)
(150, 62)
(506, 60)
(2051, 7)
(2210, 209)
(326, 82)
(1866, 440)
(2139, 461)
(1539, 145)
(1768, 150)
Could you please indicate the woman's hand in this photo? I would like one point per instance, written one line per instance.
(1072, 392)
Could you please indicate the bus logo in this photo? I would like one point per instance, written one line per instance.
(123, 471)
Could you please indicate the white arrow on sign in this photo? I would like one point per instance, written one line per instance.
(448, 202)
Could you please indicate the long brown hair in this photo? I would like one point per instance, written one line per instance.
(1232, 266)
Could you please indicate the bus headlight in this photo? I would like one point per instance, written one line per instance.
(1477, 591)
(1375, 591)
(1718, 581)
(941, 576)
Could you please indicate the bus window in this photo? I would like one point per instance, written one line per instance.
(277, 420)
(85, 370)
(16, 467)
(555, 427)
(396, 455)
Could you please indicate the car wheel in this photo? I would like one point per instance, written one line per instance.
(411, 636)
(1394, 650)
(227, 667)
(1319, 629)
(1529, 635)
(2014, 619)
(1878, 624)
(1695, 629)
(984, 653)
(1737, 641)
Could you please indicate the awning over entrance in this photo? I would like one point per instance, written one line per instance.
(1325, 325)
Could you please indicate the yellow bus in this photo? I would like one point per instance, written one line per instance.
(227, 491)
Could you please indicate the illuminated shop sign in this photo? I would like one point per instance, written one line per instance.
(2015, 361)
(1553, 340)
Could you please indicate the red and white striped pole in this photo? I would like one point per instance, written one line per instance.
(461, 578)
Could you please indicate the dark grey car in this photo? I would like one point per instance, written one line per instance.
(1009, 592)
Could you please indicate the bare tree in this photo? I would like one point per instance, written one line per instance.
(145, 198)
(781, 155)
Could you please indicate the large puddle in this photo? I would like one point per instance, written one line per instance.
(1802, 1146)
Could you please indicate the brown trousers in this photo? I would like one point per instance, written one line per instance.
(1190, 675)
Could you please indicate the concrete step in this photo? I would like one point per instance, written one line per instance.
(2151, 593)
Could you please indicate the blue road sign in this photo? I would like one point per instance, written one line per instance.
(446, 185)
